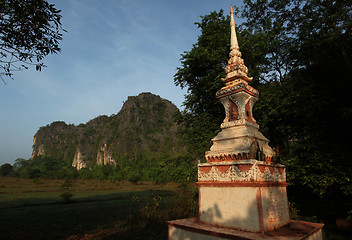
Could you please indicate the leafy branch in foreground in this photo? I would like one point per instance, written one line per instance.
(29, 31)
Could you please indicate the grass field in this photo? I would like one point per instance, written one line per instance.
(34, 209)
(37, 209)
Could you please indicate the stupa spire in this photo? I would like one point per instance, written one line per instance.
(235, 70)
(234, 42)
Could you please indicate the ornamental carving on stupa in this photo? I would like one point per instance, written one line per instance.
(235, 69)
(239, 138)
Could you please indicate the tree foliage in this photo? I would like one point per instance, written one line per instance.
(144, 124)
(200, 73)
(299, 33)
(142, 141)
(156, 167)
(6, 169)
(299, 53)
(303, 107)
(44, 167)
(29, 31)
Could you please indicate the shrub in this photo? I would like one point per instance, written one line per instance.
(134, 177)
(66, 196)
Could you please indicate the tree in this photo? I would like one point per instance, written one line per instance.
(29, 31)
(6, 169)
(309, 64)
(299, 32)
(299, 53)
(201, 73)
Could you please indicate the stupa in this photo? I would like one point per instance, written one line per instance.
(242, 191)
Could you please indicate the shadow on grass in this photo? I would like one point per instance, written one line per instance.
(108, 216)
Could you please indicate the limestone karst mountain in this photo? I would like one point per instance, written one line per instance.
(143, 126)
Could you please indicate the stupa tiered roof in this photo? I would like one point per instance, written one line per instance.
(235, 70)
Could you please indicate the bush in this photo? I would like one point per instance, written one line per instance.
(6, 169)
(66, 196)
(134, 177)
(186, 204)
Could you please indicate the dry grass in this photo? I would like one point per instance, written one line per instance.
(98, 209)
(17, 192)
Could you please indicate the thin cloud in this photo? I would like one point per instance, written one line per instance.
(113, 49)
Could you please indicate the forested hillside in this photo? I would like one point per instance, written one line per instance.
(139, 142)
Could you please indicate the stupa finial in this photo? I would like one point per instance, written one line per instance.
(235, 70)
(234, 42)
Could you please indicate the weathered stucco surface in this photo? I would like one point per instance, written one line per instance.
(180, 234)
(234, 207)
(253, 209)
(275, 207)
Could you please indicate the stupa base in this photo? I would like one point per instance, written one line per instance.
(192, 229)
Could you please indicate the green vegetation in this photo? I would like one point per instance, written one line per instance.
(6, 169)
(158, 168)
(307, 58)
(44, 167)
(34, 209)
(142, 140)
(96, 210)
(299, 54)
(149, 148)
(41, 23)
(201, 73)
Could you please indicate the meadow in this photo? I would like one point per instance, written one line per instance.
(85, 209)
(36, 209)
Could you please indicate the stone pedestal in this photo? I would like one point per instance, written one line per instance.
(257, 208)
(243, 199)
(192, 229)
(248, 195)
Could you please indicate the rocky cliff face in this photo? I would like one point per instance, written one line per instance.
(144, 125)
(104, 156)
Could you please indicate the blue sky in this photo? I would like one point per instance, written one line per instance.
(113, 49)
